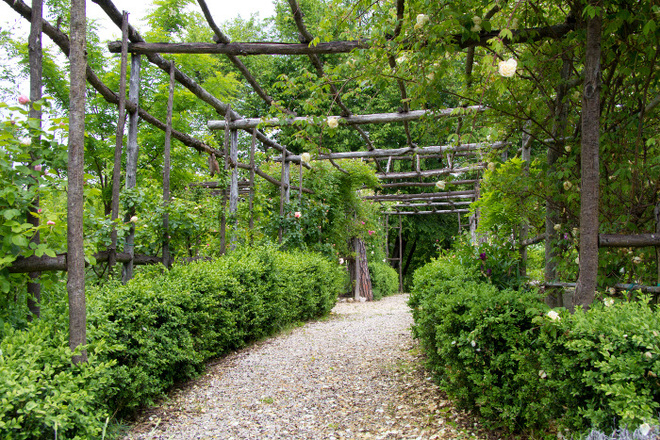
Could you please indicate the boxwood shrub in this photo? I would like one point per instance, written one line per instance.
(384, 279)
(500, 353)
(146, 335)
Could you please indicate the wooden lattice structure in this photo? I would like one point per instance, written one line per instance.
(453, 201)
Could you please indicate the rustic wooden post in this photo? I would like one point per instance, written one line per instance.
(474, 218)
(36, 71)
(585, 288)
(167, 259)
(358, 270)
(233, 186)
(223, 214)
(524, 226)
(284, 188)
(132, 150)
(300, 183)
(75, 260)
(656, 211)
(119, 139)
(400, 256)
(554, 296)
(252, 166)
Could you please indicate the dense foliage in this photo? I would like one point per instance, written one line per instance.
(144, 336)
(505, 355)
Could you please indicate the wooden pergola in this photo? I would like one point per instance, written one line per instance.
(444, 202)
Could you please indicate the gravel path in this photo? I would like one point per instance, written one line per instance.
(355, 375)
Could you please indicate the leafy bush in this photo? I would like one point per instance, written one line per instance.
(604, 364)
(156, 330)
(504, 355)
(384, 279)
(41, 393)
(479, 342)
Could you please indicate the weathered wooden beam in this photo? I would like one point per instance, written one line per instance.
(425, 184)
(531, 241)
(255, 48)
(58, 263)
(645, 289)
(426, 204)
(422, 196)
(394, 152)
(452, 211)
(377, 118)
(430, 173)
(632, 240)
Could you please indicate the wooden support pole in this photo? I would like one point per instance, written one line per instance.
(422, 196)
(243, 49)
(167, 258)
(378, 118)
(656, 213)
(59, 262)
(75, 262)
(426, 184)
(132, 151)
(252, 167)
(119, 139)
(400, 255)
(358, 270)
(36, 71)
(447, 211)
(300, 184)
(524, 226)
(233, 186)
(629, 240)
(430, 173)
(284, 184)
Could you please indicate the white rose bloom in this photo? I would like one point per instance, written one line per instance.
(305, 157)
(508, 68)
(422, 19)
(333, 122)
(554, 315)
(440, 184)
(134, 219)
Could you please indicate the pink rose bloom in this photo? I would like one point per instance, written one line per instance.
(297, 214)
(370, 232)
(39, 210)
(23, 100)
(362, 222)
(37, 167)
(50, 223)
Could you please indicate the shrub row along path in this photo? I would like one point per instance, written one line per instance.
(355, 375)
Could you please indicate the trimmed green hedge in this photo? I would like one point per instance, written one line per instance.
(384, 279)
(500, 354)
(158, 329)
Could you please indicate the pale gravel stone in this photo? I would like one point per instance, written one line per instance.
(353, 375)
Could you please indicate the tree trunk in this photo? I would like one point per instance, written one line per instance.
(586, 283)
(75, 174)
(359, 271)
